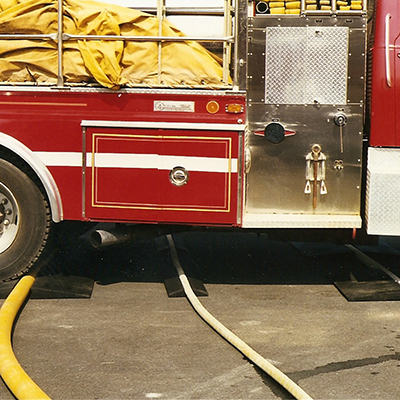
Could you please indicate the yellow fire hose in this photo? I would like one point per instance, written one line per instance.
(17, 380)
(245, 349)
(24, 388)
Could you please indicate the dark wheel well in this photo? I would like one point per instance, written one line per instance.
(26, 227)
(13, 158)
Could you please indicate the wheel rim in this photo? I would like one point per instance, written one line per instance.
(9, 213)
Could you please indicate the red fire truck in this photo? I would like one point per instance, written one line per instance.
(292, 129)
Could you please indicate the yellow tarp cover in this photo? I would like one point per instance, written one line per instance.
(110, 63)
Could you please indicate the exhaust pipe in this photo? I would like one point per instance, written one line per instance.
(109, 234)
(101, 237)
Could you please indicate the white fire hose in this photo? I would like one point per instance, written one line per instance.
(245, 349)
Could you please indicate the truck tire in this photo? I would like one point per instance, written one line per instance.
(25, 222)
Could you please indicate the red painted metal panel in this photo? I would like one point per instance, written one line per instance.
(385, 101)
(130, 183)
(49, 121)
(69, 182)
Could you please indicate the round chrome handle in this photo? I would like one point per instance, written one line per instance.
(179, 176)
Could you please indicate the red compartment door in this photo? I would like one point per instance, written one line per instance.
(158, 175)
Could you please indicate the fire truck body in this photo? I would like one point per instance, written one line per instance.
(104, 165)
(280, 144)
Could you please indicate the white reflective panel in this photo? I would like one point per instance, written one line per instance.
(216, 5)
(190, 25)
(195, 3)
(200, 26)
(138, 4)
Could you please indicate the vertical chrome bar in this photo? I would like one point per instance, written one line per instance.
(242, 14)
(236, 45)
(160, 12)
(60, 77)
(227, 45)
(84, 172)
(240, 181)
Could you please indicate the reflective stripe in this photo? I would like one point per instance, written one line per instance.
(154, 161)
(143, 161)
(60, 159)
(164, 125)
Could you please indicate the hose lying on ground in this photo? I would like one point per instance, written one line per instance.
(17, 380)
(245, 349)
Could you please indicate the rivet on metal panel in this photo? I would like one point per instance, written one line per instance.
(338, 165)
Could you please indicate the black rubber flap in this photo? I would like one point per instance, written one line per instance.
(369, 290)
(175, 289)
(55, 287)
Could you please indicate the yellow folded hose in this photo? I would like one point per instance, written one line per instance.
(245, 349)
(277, 10)
(17, 380)
(277, 4)
(290, 5)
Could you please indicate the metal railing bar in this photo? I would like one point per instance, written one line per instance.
(19, 36)
(228, 39)
(67, 36)
(160, 16)
(184, 11)
(60, 69)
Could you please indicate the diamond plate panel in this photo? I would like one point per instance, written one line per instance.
(383, 192)
(306, 65)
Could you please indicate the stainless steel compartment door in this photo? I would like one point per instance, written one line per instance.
(308, 79)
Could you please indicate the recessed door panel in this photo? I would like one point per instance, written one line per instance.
(162, 175)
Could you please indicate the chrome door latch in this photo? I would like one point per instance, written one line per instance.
(340, 120)
(315, 173)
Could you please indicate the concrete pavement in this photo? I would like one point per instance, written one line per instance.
(130, 341)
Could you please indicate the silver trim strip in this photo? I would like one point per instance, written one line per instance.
(73, 88)
(163, 125)
(240, 181)
(300, 221)
(84, 155)
(41, 171)
(387, 50)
